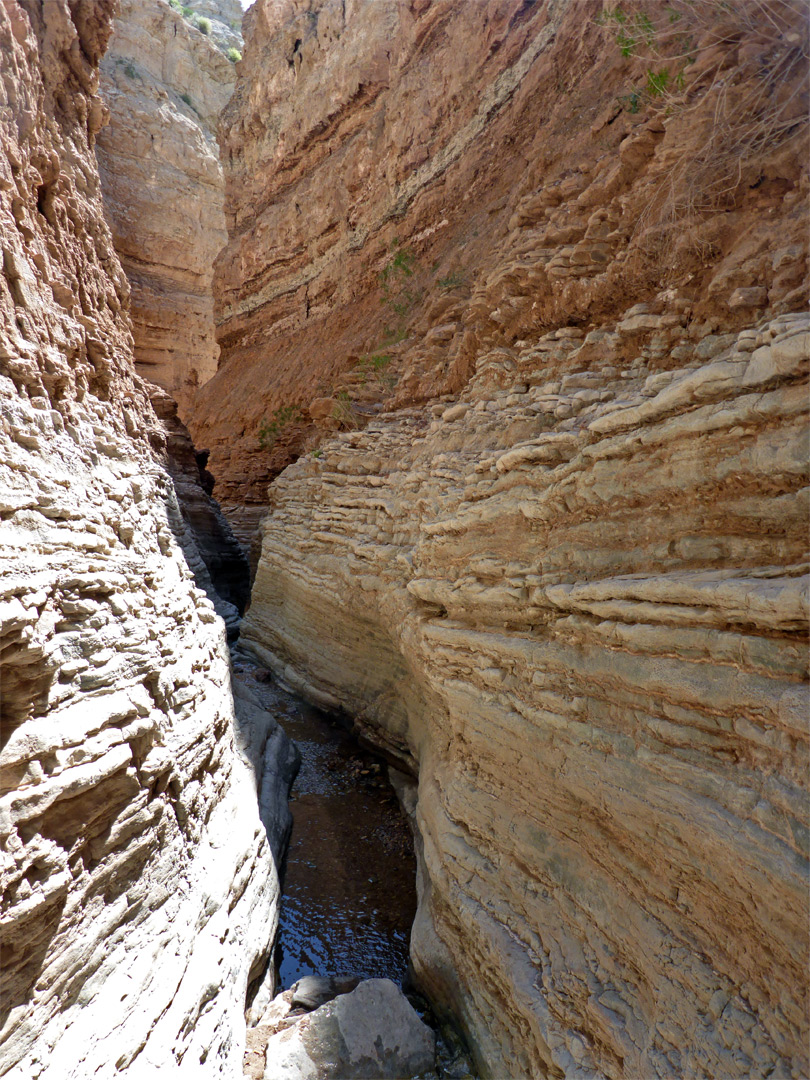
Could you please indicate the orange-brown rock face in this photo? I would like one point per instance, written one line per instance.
(338, 141)
(529, 175)
(555, 561)
(165, 84)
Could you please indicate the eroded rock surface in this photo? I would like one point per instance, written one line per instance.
(139, 890)
(165, 84)
(407, 184)
(556, 561)
(215, 556)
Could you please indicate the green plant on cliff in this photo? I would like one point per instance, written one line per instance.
(233, 55)
(269, 430)
(630, 30)
(392, 335)
(203, 25)
(453, 280)
(374, 369)
(397, 291)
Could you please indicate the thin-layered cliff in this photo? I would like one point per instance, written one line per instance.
(544, 266)
(139, 890)
(165, 83)
(588, 640)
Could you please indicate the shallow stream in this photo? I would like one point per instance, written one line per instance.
(349, 882)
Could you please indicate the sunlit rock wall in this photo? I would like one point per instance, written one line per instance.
(590, 640)
(165, 84)
(138, 890)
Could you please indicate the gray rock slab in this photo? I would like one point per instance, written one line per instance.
(315, 990)
(372, 1033)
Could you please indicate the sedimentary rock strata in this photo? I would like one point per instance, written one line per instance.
(343, 116)
(555, 562)
(587, 635)
(215, 556)
(407, 182)
(139, 890)
(165, 84)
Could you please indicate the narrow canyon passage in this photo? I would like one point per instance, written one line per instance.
(413, 395)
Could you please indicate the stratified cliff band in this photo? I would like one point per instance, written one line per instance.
(165, 84)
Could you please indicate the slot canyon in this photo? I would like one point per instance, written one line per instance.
(404, 539)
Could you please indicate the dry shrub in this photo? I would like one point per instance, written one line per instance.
(345, 414)
(737, 70)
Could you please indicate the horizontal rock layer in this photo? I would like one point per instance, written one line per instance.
(138, 890)
(407, 184)
(578, 605)
(165, 83)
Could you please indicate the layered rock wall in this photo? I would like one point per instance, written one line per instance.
(590, 641)
(165, 84)
(345, 115)
(378, 155)
(555, 563)
(139, 890)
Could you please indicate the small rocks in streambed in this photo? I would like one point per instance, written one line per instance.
(315, 990)
(373, 1033)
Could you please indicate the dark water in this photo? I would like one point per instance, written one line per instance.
(349, 886)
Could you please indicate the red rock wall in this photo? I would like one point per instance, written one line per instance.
(518, 157)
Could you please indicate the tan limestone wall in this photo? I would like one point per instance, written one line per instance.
(590, 640)
(138, 892)
(165, 84)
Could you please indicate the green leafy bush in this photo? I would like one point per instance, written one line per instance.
(269, 430)
(204, 25)
(233, 55)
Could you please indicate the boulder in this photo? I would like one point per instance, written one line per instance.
(371, 1033)
(315, 990)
